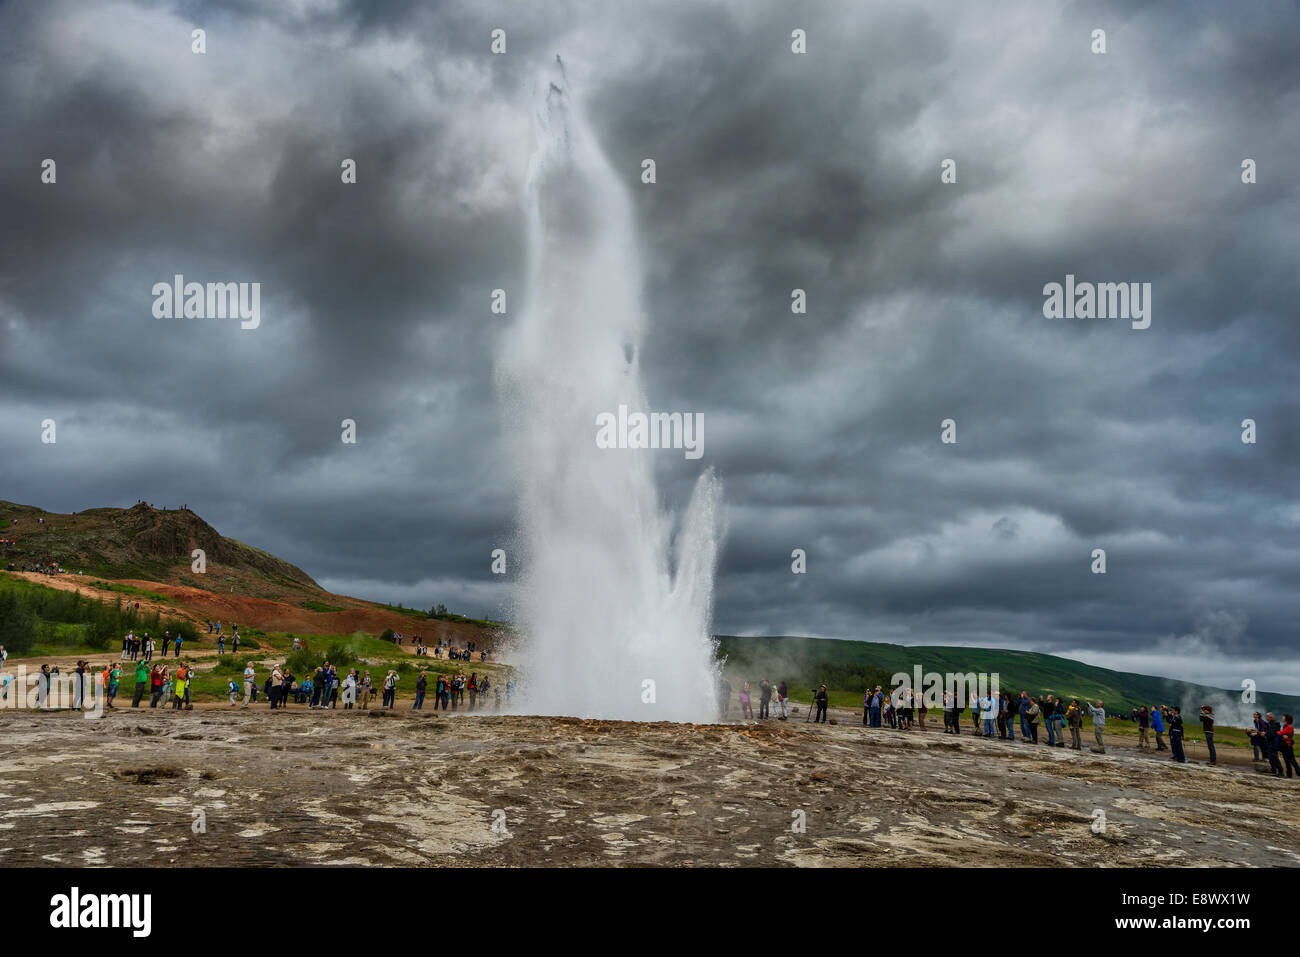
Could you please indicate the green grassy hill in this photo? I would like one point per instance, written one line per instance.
(848, 668)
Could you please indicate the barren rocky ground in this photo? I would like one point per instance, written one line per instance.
(366, 788)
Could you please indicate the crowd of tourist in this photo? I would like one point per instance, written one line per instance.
(1000, 715)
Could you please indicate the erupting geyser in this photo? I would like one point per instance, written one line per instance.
(614, 611)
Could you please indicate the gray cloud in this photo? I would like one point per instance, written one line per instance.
(775, 171)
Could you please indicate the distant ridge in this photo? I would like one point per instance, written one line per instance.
(808, 660)
(143, 542)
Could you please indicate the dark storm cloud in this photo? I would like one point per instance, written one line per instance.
(775, 172)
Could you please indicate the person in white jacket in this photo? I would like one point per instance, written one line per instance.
(350, 689)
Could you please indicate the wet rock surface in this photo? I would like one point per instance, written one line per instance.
(220, 787)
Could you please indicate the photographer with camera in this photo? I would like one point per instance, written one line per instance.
(821, 699)
(1207, 724)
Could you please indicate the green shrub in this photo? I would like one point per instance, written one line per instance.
(17, 625)
(302, 662)
(340, 656)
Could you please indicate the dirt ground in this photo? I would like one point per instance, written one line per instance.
(366, 788)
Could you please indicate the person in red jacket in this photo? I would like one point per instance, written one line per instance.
(1286, 744)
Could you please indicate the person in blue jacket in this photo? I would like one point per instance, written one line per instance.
(1158, 726)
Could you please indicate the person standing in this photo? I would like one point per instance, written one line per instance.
(1035, 716)
(1024, 715)
(1013, 716)
(1158, 727)
(822, 701)
(1207, 725)
(876, 702)
(79, 687)
(43, 686)
(250, 681)
(1144, 722)
(112, 675)
(365, 692)
(782, 696)
(390, 689)
(1074, 717)
(1049, 718)
(1176, 735)
(141, 683)
(1272, 731)
(1286, 744)
(157, 684)
(167, 640)
(1098, 725)
(421, 684)
(180, 688)
(764, 698)
(221, 645)
(179, 638)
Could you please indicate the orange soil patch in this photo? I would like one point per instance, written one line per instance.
(199, 605)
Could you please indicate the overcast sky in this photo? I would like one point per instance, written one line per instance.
(775, 170)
